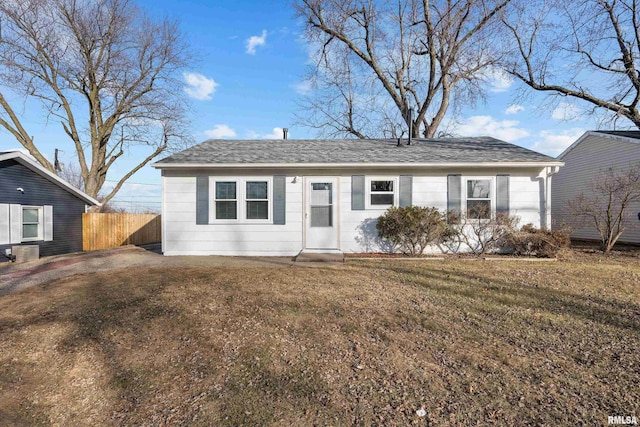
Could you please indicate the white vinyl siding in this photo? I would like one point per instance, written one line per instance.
(357, 228)
(582, 163)
(182, 236)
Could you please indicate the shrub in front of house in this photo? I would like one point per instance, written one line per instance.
(411, 229)
(532, 241)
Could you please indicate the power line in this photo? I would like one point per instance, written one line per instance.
(136, 183)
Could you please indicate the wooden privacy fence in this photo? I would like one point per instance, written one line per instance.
(110, 230)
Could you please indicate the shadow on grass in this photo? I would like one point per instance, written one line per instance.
(493, 290)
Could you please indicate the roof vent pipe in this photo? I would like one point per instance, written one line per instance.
(285, 131)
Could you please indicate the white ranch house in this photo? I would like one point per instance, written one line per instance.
(282, 197)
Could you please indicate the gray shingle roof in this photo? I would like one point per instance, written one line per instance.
(354, 151)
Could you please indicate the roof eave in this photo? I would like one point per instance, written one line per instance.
(160, 165)
(40, 170)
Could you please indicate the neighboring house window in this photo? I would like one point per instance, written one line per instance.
(257, 200)
(226, 200)
(381, 193)
(479, 199)
(241, 199)
(31, 223)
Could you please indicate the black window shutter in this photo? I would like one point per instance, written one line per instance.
(454, 196)
(202, 199)
(406, 189)
(357, 193)
(279, 199)
(502, 194)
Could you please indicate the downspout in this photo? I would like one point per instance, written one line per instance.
(551, 171)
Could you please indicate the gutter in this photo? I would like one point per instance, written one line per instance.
(160, 165)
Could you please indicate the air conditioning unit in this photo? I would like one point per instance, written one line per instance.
(25, 253)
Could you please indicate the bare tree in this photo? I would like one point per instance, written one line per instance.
(375, 59)
(586, 50)
(102, 69)
(607, 209)
(480, 230)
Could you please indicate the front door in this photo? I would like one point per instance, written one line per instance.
(321, 214)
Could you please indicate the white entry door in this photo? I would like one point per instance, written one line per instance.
(321, 213)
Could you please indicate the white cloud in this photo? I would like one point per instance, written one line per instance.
(554, 143)
(565, 112)
(514, 109)
(275, 134)
(199, 86)
(498, 80)
(507, 130)
(303, 87)
(220, 132)
(255, 41)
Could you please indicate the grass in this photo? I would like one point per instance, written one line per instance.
(508, 343)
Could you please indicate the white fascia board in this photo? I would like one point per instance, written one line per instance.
(37, 168)
(352, 165)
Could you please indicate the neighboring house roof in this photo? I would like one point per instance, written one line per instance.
(481, 151)
(31, 164)
(634, 134)
(631, 136)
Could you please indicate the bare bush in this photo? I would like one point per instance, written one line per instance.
(480, 230)
(531, 241)
(606, 209)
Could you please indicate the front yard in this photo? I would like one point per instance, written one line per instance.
(372, 342)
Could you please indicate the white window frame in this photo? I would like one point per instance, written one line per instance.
(241, 199)
(368, 192)
(491, 198)
(212, 216)
(40, 236)
(269, 200)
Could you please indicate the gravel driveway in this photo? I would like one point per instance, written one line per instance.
(14, 277)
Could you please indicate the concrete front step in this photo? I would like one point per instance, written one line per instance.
(320, 257)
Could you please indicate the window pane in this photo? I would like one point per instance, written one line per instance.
(381, 185)
(479, 209)
(321, 216)
(257, 190)
(226, 210)
(29, 231)
(478, 188)
(321, 186)
(30, 215)
(321, 194)
(382, 199)
(257, 210)
(225, 190)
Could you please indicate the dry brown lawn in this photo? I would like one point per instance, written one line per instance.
(370, 343)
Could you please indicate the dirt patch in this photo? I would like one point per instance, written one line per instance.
(14, 277)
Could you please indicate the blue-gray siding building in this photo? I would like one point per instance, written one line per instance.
(38, 208)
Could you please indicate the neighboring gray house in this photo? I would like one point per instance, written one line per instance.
(281, 197)
(38, 208)
(592, 153)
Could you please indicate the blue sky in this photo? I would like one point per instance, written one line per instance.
(246, 78)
